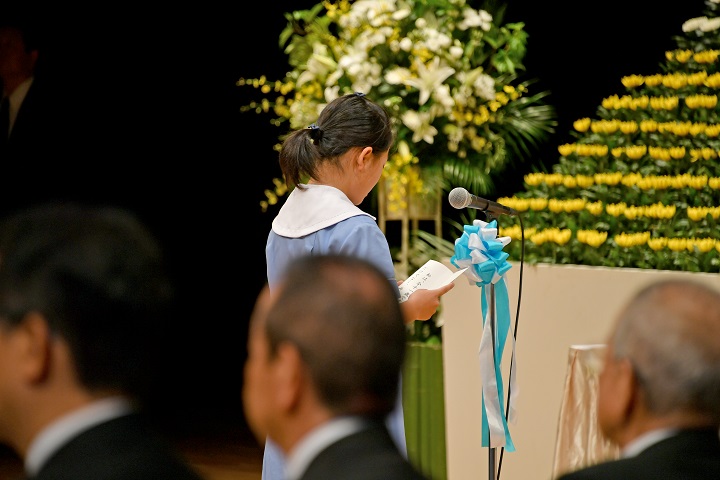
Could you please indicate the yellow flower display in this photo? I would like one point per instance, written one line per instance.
(640, 185)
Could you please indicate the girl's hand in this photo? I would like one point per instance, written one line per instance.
(423, 303)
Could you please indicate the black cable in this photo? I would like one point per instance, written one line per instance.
(517, 318)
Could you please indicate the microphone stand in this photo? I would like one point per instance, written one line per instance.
(492, 320)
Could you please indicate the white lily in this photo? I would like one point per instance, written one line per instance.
(318, 65)
(420, 124)
(475, 19)
(430, 77)
(398, 76)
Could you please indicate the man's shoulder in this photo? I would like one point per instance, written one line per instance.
(125, 447)
(366, 455)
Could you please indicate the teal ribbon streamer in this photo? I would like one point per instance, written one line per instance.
(481, 251)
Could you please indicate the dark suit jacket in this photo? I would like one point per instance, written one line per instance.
(689, 455)
(34, 133)
(369, 454)
(121, 449)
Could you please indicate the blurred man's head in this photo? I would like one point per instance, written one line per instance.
(83, 293)
(662, 366)
(18, 55)
(329, 341)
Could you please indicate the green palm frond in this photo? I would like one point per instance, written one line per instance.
(473, 176)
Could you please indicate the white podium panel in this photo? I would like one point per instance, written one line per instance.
(561, 306)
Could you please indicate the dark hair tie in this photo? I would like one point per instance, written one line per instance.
(315, 132)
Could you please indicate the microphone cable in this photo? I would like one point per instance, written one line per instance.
(515, 329)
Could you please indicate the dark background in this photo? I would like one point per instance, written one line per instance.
(153, 123)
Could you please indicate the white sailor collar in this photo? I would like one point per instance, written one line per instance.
(313, 208)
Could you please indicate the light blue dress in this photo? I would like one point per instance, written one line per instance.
(318, 220)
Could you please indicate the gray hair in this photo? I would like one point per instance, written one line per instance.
(670, 332)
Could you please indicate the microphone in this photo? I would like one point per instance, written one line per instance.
(461, 198)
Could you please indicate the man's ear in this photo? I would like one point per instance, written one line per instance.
(625, 392)
(619, 398)
(627, 387)
(636, 401)
(290, 374)
(34, 340)
(34, 57)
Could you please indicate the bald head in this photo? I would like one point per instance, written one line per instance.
(670, 333)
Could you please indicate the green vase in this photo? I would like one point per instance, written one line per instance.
(424, 408)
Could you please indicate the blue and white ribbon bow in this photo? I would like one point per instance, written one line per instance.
(481, 250)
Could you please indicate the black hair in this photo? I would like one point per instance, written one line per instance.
(97, 277)
(349, 121)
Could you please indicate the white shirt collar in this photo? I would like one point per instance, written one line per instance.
(16, 97)
(644, 441)
(59, 432)
(317, 440)
(312, 209)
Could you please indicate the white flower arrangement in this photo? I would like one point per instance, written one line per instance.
(445, 71)
(702, 24)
